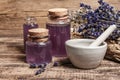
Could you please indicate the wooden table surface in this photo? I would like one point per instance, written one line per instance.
(12, 57)
(14, 67)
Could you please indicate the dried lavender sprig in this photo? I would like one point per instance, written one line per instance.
(39, 71)
(51, 65)
(103, 16)
(42, 68)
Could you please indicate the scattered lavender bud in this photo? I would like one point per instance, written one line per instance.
(32, 66)
(39, 71)
(42, 65)
(56, 64)
(81, 5)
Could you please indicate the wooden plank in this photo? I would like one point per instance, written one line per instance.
(41, 6)
(46, 4)
(14, 19)
(11, 39)
(31, 5)
(10, 33)
(7, 6)
(12, 55)
(17, 23)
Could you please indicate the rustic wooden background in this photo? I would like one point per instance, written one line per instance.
(12, 57)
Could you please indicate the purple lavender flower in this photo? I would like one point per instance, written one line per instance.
(98, 20)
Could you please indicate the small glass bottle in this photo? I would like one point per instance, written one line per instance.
(59, 29)
(29, 24)
(38, 46)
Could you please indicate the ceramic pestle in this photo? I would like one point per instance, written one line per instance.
(103, 36)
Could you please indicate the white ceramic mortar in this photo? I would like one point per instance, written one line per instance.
(83, 56)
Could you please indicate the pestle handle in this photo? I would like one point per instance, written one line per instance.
(103, 36)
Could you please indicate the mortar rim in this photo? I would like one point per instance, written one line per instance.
(83, 47)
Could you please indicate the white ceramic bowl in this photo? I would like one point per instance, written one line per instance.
(83, 56)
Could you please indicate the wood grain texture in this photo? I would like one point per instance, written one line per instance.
(13, 12)
(13, 65)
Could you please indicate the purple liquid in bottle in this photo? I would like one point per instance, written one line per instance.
(38, 46)
(59, 29)
(59, 33)
(28, 25)
(38, 53)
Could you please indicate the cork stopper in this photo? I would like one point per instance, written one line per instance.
(38, 34)
(58, 12)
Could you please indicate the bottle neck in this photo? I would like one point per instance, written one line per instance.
(31, 20)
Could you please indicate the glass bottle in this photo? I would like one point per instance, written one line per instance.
(38, 46)
(59, 29)
(29, 24)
